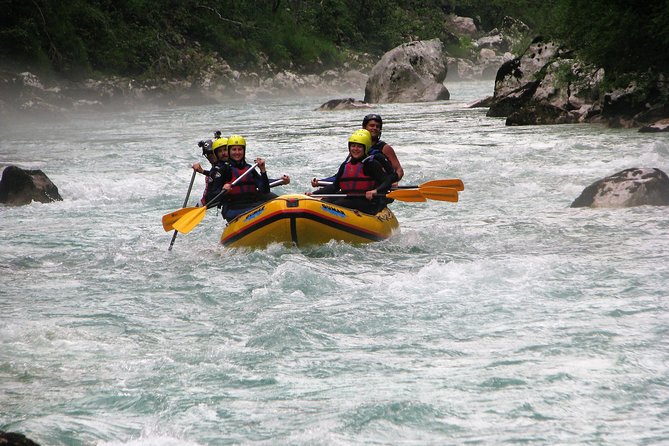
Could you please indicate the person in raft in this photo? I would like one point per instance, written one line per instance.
(380, 150)
(251, 191)
(361, 176)
(216, 151)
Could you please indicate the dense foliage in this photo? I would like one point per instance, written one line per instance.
(156, 37)
(174, 37)
(622, 36)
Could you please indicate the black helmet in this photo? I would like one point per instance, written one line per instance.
(372, 117)
(205, 145)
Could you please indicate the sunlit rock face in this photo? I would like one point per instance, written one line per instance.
(659, 126)
(412, 72)
(517, 80)
(548, 84)
(628, 188)
(545, 86)
(19, 187)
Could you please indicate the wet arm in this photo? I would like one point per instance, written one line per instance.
(334, 187)
(389, 152)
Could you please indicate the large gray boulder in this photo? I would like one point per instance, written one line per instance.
(462, 26)
(518, 81)
(19, 187)
(630, 187)
(412, 72)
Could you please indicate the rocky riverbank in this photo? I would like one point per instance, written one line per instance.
(27, 92)
(548, 84)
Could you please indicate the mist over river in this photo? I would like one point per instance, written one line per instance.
(505, 318)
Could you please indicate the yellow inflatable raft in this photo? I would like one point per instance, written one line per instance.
(302, 220)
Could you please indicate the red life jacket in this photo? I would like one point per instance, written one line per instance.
(354, 180)
(246, 185)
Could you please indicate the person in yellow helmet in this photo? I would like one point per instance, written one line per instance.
(380, 150)
(360, 177)
(216, 151)
(251, 191)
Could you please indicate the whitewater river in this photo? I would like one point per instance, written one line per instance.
(506, 318)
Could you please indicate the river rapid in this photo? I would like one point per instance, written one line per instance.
(505, 318)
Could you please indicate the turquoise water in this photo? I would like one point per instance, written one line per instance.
(507, 318)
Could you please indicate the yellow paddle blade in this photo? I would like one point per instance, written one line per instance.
(439, 193)
(169, 219)
(189, 220)
(454, 183)
(412, 195)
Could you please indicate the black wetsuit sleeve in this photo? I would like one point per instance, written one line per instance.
(219, 175)
(374, 169)
(262, 181)
(328, 179)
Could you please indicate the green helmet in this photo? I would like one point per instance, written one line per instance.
(363, 137)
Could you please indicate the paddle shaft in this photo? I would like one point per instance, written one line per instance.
(231, 184)
(190, 187)
(194, 216)
(173, 217)
(454, 183)
(411, 195)
(402, 195)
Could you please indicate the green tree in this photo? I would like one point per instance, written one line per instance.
(620, 36)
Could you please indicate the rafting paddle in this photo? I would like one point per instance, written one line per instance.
(172, 217)
(190, 186)
(454, 183)
(439, 193)
(411, 195)
(400, 195)
(184, 220)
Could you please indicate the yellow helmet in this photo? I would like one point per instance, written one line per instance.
(236, 140)
(219, 142)
(363, 137)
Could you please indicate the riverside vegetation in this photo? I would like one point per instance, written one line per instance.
(162, 42)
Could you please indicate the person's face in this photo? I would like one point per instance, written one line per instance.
(212, 157)
(237, 152)
(221, 153)
(356, 150)
(374, 127)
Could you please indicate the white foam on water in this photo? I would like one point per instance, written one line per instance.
(505, 317)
